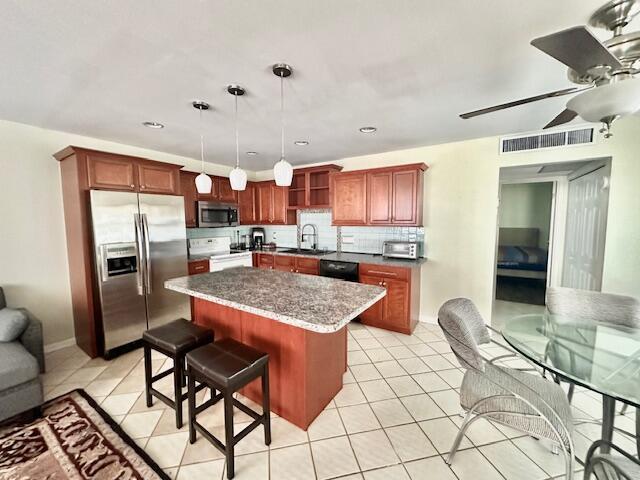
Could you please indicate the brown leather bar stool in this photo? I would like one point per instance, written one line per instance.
(227, 366)
(174, 340)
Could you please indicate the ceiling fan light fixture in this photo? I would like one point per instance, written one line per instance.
(616, 99)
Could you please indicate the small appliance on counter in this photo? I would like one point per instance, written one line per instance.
(258, 238)
(402, 249)
(221, 256)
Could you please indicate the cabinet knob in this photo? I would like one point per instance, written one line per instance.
(292, 269)
(142, 186)
(132, 185)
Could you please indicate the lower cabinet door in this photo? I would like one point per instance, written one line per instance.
(396, 315)
(374, 315)
(284, 263)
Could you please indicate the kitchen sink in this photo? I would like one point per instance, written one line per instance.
(304, 251)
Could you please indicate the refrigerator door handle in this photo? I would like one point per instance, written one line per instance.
(147, 261)
(140, 256)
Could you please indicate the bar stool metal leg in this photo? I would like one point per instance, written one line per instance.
(147, 375)
(228, 433)
(192, 406)
(177, 389)
(266, 409)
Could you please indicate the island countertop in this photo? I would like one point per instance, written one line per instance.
(319, 304)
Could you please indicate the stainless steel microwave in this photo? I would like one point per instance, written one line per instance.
(213, 214)
(399, 249)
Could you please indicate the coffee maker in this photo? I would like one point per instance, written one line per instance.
(258, 238)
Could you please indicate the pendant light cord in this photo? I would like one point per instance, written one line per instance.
(236, 124)
(201, 141)
(282, 114)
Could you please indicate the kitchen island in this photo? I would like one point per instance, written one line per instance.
(299, 320)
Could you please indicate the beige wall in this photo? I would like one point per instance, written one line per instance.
(461, 193)
(461, 201)
(527, 205)
(33, 253)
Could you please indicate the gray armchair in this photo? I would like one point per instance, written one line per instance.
(21, 363)
(508, 396)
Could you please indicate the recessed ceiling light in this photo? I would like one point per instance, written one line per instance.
(301, 143)
(252, 153)
(368, 129)
(155, 125)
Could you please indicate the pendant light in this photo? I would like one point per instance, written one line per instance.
(237, 177)
(203, 181)
(282, 170)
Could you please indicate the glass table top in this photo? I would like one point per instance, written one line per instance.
(602, 357)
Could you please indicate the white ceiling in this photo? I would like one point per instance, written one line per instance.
(408, 67)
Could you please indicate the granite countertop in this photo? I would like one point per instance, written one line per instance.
(355, 257)
(319, 304)
(196, 257)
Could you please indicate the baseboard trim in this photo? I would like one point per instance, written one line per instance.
(428, 319)
(52, 347)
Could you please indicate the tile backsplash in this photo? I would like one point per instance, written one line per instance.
(354, 239)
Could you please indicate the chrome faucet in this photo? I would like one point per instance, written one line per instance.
(314, 245)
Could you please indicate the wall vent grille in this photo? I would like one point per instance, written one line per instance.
(553, 139)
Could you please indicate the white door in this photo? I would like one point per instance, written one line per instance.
(586, 230)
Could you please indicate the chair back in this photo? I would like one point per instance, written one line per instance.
(464, 329)
(588, 305)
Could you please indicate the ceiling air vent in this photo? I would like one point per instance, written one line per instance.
(540, 141)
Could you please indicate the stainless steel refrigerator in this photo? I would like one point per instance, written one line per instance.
(140, 241)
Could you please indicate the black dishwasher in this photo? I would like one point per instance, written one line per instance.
(341, 270)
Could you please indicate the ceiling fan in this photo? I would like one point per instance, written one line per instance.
(605, 72)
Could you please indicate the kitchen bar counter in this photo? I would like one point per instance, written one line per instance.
(319, 304)
(298, 320)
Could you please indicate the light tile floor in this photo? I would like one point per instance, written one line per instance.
(395, 418)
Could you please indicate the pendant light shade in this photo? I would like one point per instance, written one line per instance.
(282, 170)
(203, 184)
(237, 177)
(203, 181)
(283, 173)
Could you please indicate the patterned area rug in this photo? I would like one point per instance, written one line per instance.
(75, 439)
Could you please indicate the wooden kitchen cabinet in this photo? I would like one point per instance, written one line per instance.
(110, 172)
(158, 178)
(349, 198)
(310, 187)
(190, 194)
(224, 192)
(198, 266)
(399, 309)
(271, 205)
(310, 266)
(284, 263)
(265, 260)
(247, 205)
(379, 196)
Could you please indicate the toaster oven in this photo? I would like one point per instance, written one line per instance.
(400, 249)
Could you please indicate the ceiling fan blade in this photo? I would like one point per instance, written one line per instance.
(563, 117)
(515, 103)
(577, 48)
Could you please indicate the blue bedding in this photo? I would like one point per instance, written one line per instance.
(522, 258)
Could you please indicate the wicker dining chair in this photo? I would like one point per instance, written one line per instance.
(610, 466)
(520, 400)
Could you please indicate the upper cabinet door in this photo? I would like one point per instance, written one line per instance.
(265, 207)
(225, 192)
(111, 173)
(247, 205)
(154, 178)
(279, 204)
(190, 194)
(380, 186)
(405, 198)
(349, 198)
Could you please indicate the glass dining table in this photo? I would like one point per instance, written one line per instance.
(602, 357)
